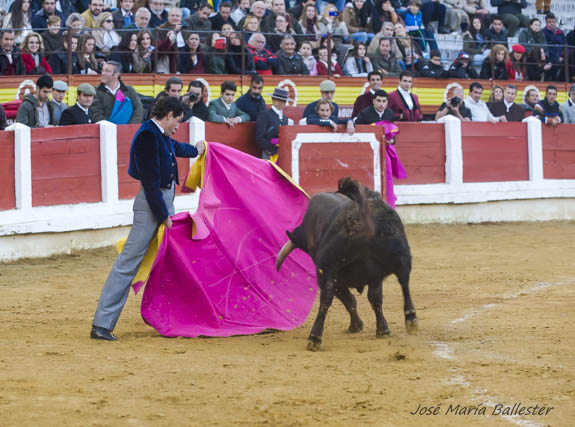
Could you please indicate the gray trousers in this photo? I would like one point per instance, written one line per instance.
(117, 287)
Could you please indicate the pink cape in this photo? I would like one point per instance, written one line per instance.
(214, 273)
(393, 166)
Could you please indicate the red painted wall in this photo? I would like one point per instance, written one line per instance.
(66, 165)
(7, 189)
(421, 149)
(559, 152)
(241, 137)
(497, 152)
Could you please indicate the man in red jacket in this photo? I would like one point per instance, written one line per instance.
(403, 103)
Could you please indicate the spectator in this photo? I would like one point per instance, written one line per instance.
(91, 14)
(158, 14)
(35, 110)
(75, 25)
(457, 20)
(145, 49)
(377, 112)
(193, 102)
(384, 61)
(281, 29)
(356, 16)
(58, 94)
(297, 11)
(331, 22)
(126, 53)
(227, 30)
(532, 36)
(323, 116)
(568, 107)
(415, 26)
(516, 64)
(496, 33)
(104, 35)
(53, 38)
(433, 11)
(252, 102)
(123, 16)
(87, 63)
(19, 19)
(222, 17)
(387, 31)
(81, 113)
(454, 106)
(478, 8)
(309, 60)
(310, 25)
(475, 42)
(251, 25)
(215, 55)
(239, 60)
(224, 109)
(461, 68)
(322, 63)
(269, 22)
(241, 10)
(3, 121)
(291, 63)
(548, 109)
(32, 49)
(327, 90)
(366, 99)
(199, 21)
(10, 58)
(173, 87)
(268, 124)
(358, 63)
(191, 59)
(556, 40)
(265, 61)
(530, 99)
(496, 95)
(114, 101)
(59, 60)
(433, 68)
(510, 13)
(507, 106)
(40, 19)
(382, 12)
(410, 51)
(141, 20)
(169, 32)
(257, 10)
(479, 110)
(497, 59)
(403, 103)
(539, 68)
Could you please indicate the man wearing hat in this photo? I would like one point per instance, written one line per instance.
(327, 90)
(58, 93)
(80, 114)
(268, 124)
(461, 68)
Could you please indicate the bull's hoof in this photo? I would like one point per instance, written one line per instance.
(313, 345)
(411, 326)
(383, 333)
(354, 328)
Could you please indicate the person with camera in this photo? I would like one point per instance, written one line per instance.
(193, 101)
(454, 106)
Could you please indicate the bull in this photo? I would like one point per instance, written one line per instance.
(355, 240)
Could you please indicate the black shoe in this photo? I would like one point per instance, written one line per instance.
(540, 11)
(443, 30)
(98, 333)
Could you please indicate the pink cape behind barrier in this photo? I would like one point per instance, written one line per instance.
(214, 273)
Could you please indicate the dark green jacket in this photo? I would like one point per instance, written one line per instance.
(28, 113)
(104, 103)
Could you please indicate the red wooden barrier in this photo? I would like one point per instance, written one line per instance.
(495, 152)
(7, 189)
(421, 149)
(558, 152)
(242, 137)
(66, 165)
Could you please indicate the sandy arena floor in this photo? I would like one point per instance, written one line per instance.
(495, 303)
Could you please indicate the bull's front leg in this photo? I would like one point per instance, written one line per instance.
(409, 310)
(325, 300)
(375, 297)
(348, 300)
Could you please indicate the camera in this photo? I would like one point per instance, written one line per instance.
(333, 13)
(455, 101)
(193, 96)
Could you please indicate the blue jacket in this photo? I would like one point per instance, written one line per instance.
(310, 112)
(251, 106)
(153, 163)
(556, 39)
(508, 6)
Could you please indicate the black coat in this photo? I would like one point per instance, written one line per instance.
(234, 61)
(75, 116)
(499, 71)
(267, 127)
(59, 60)
(368, 116)
(16, 60)
(515, 113)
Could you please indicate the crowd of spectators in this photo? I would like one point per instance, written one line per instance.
(298, 37)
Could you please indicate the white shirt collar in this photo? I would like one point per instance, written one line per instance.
(406, 96)
(113, 91)
(124, 13)
(85, 110)
(228, 106)
(159, 127)
(278, 112)
(508, 105)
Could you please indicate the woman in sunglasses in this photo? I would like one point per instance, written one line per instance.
(104, 34)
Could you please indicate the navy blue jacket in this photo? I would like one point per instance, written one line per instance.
(153, 163)
(310, 112)
(251, 106)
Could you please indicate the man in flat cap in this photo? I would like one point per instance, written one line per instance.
(80, 114)
(58, 93)
(327, 90)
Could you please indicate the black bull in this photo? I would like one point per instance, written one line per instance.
(355, 240)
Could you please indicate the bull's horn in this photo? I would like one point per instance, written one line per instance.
(283, 253)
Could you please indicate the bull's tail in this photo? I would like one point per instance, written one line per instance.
(360, 195)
